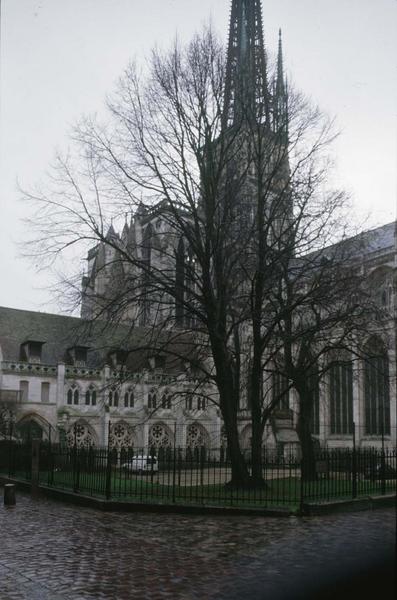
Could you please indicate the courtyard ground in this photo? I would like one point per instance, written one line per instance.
(52, 551)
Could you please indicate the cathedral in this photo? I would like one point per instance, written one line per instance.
(71, 380)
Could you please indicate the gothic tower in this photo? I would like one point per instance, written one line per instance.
(247, 92)
(246, 89)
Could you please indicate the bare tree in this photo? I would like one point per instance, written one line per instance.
(238, 262)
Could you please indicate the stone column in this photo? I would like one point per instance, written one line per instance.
(358, 401)
(106, 413)
(60, 399)
(324, 412)
(393, 390)
(145, 436)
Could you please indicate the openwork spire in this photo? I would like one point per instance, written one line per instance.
(246, 91)
(280, 107)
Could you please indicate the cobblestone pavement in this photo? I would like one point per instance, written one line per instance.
(54, 551)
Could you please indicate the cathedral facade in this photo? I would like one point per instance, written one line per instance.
(64, 380)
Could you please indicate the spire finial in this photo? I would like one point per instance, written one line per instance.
(280, 63)
(281, 94)
(246, 90)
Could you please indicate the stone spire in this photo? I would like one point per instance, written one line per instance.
(280, 100)
(280, 87)
(246, 90)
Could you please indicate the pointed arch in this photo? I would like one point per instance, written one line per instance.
(81, 435)
(121, 435)
(33, 425)
(376, 387)
(160, 436)
(73, 393)
(197, 436)
(180, 274)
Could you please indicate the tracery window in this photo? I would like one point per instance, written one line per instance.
(189, 402)
(160, 436)
(180, 282)
(376, 389)
(201, 403)
(185, 275)
(166, 400)
(280, 391)
(152, 399)
(90, 396)
(121, 436)
(113, 397)
(129, 399)
(80, 435)
(147, 244)
(341, 397)
(315, 396)
(73, 395)
(196, 436)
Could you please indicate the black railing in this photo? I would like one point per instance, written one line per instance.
(186, 476)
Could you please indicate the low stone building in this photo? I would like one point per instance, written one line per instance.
(61, 382)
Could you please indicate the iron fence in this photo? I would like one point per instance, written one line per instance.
(184, 476)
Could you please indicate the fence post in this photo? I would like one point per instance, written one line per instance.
(301, 488)
(354, 464)
(383, 464)
(108, 490)
(10, 448)
(35, 467)
(202, 460)
(179, 466)
(174, 466)
(9, 494)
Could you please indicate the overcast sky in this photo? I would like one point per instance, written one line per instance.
(59, 58)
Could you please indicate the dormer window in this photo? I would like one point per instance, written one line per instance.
(118, 358)
(78, 355)
(157, 362)
(31, 351)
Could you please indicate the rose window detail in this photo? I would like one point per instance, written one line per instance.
(121, 436)
(159, 436)
(80, 435)
(196, 437)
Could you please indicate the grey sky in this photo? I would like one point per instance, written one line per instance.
(59, 58)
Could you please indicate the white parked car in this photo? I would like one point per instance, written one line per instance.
(141, 464)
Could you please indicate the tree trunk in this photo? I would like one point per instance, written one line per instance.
(256, 450)
(240, 474)
(308, 472)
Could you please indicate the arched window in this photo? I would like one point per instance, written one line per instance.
(73, 395)
(113, 397)
(196, 436)
(315, 393)
(147, 244)
(129, 399)
(152, 399)
(189, 401)
(90, 396)
(341, 397)
(180, 282)
(280, 391)
(166, 400)
(376, 389)
(81, 435)
(201, 403)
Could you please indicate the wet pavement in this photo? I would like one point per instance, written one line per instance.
(53, 551)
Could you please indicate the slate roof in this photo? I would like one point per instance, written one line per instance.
(60, 333)
(381, 238)
(378, 241)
